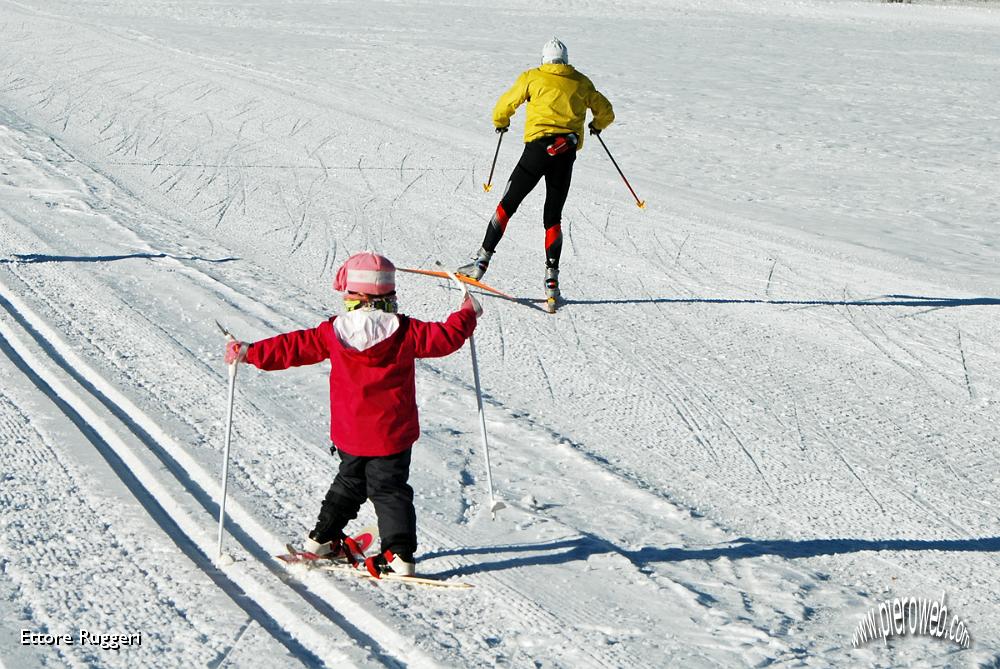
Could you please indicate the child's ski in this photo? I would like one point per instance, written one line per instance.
(361, 572)
(365, 538)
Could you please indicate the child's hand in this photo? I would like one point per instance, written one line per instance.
(473, 304)
(236, 351)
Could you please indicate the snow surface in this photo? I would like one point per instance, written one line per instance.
(770, 404)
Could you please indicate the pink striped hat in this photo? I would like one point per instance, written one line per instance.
(367, 273)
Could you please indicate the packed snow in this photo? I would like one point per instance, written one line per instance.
(769, 404)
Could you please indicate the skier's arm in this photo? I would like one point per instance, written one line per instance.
(510, 101)
(434, 340)
(604, 115)
(292, 349)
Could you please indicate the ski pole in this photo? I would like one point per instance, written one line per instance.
(488, 186)
(494, 504)
(640, 203)
(229, 435)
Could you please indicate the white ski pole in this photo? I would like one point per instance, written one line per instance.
(229, 435)
(494, 504)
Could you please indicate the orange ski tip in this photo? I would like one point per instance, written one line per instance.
(461, 277)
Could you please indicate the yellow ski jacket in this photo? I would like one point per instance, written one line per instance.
(558, 98)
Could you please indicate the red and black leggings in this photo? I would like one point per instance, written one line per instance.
(534, 164)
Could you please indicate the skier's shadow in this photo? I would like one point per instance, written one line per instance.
(35, 258)
(583, 547)
(919, 301)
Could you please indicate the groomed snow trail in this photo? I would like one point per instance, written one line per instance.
(765, 407)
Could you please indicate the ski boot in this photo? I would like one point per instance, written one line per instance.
(344, 549)
(552, 294)
(391, 563)
(477, 268)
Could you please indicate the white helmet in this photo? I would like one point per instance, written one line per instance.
(555, 51)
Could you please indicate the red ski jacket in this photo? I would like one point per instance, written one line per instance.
(373, 398)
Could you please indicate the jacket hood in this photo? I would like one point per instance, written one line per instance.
(376, 354)
(557, 68)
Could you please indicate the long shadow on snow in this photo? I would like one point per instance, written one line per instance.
(881, 301)
(30, 258)
(582, 547)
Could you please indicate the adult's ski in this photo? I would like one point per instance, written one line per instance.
(479, 284)
(461, 277)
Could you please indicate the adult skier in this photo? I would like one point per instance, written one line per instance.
(373, 409)
(558, 97)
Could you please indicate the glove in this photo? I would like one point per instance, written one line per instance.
(236, 352)
(502, 130)
(473, 304)
(593, 130)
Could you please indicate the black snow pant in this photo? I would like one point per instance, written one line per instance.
(534, 164)
(383, 480)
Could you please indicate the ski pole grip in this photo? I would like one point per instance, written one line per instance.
(226, 332)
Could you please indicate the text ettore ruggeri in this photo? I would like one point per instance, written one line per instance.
(105, 641)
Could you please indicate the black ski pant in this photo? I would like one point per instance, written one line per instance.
(534, 164)
(383, 480)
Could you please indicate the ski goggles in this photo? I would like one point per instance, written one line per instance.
(386, 303)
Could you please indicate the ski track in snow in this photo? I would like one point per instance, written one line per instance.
(738, 435)
(110, 564)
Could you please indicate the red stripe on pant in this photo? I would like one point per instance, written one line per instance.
(501, 218)
(552, 235)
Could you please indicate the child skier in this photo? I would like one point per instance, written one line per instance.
(373, 409)
(558, 97)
